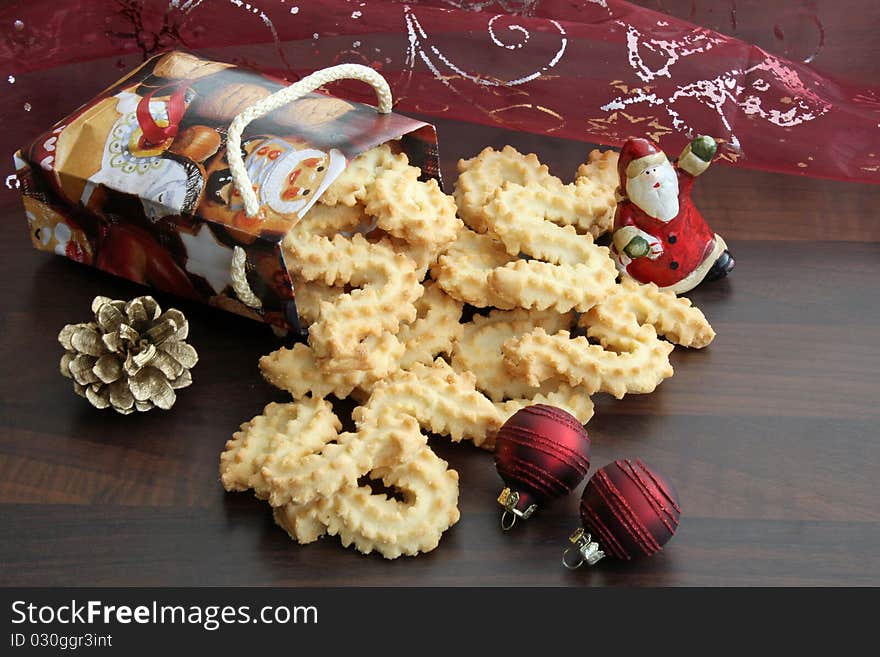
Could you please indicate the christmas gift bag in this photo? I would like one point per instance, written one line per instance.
(140, 182)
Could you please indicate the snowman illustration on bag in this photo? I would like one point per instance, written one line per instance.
(287, 175)
(136, 158)
(287, 178)
(659, 235)
(130, 143)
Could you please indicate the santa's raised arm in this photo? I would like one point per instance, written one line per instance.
(659, 235)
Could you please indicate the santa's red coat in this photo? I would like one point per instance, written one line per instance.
(686, 239)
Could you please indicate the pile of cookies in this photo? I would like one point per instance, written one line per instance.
(385, 267)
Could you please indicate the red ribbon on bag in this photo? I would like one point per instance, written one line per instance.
(154, 134)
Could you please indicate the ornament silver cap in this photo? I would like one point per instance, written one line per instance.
(509, 500)
(584, 547)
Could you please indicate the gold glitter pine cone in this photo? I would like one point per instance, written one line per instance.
(131, 358)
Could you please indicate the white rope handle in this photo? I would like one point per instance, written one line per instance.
(239, 280)
(282, 97)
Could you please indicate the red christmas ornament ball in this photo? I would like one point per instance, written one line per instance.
(630, 509)
(541, 453)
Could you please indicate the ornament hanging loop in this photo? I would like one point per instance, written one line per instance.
(508, 520)
(509, 499)
(571, 565)
(586, 549)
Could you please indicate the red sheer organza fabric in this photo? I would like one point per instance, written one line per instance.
(805, 101)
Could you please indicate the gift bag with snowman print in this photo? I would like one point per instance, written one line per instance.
(137, 182)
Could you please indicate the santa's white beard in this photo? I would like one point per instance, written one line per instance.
(660, 201)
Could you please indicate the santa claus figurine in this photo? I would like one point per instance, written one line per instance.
(659, 236)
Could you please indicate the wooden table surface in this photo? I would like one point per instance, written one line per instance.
(770, 434)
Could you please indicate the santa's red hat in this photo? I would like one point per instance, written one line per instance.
(637, 155)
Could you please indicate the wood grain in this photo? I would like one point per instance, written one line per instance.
(769, 434)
